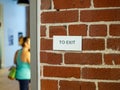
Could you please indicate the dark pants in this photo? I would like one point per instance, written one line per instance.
(24, 84)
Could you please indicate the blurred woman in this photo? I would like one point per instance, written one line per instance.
(22, 61)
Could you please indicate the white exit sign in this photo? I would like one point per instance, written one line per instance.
(67, 43)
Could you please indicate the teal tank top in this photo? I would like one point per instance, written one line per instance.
(22, 68)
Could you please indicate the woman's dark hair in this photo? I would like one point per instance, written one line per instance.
(25, 39)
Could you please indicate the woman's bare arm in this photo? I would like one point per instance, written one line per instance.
(15, 57)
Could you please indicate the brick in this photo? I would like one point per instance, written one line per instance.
(78, 30)
(42, 31)
(83, 58)
(46, 44)
(50, 58)
(66, 4)
(101, 73)
(59, 16)
(98, 30)
(49, 84)
(111, 59)
(69, 85)
(76, 85)
(45, 4)
(87, 86)
(113, 43)
(100, 15)
(57, 30)
(108, 86)
(93, 44)
(106, 3)
(62, 72)
(115, 30)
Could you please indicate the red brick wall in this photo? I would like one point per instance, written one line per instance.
(97, 66)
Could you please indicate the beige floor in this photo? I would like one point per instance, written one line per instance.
(5, 83)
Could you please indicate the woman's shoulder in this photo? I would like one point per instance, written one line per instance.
(27, 53)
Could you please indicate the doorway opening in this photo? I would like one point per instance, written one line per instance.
(14, 21)
(33, 31)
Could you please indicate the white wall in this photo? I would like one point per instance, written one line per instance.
(14, 22)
